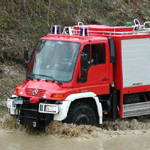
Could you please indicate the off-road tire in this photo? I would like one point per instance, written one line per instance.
(82, 113)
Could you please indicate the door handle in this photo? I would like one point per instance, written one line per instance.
(105, 79)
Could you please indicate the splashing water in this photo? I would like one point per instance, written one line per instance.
(117, 127)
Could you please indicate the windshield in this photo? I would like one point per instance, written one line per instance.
(54, 60)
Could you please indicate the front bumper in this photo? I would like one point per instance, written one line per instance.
(35, 115)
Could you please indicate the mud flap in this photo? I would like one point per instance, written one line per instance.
(114, 105)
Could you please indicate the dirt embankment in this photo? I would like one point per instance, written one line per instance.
(11, 74)
(23, 22)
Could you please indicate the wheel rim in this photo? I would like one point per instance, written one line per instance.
(82, 119)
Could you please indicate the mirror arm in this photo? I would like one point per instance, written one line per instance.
(26, 57)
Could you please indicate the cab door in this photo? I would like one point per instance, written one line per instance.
(98, 68)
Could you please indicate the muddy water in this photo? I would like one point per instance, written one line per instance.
(131, 134)
(24, 141)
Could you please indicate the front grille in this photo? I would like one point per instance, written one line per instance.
(29, 114)
(40, 93)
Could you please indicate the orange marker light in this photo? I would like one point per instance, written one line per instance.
(76, 91)
(17, 91)
(58, 95)
(105, 113)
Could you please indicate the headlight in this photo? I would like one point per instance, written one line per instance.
(10, 103)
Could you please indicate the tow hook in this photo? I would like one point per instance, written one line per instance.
(18, 121)
(34, 124)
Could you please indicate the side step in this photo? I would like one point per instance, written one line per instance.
(136, 109)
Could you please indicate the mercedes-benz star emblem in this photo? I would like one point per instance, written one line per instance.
(35, 91)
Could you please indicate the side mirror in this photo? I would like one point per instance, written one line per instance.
(84, 59)
(112, 50)
(26, 56)
(84, 67)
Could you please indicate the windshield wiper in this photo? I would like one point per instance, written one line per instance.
(53, 79)
(59, 82)
(32, 76)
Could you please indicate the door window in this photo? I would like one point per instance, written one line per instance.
(98, 54)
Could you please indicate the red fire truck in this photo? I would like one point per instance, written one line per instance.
(84, 73)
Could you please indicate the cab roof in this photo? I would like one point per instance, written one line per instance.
(73, 38)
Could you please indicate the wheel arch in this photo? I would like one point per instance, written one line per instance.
(87, 97)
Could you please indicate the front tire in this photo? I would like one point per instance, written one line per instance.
(82, 113)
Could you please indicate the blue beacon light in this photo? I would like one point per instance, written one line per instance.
(55, 29)
(83, 31)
